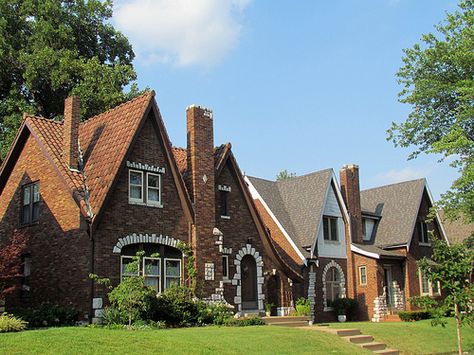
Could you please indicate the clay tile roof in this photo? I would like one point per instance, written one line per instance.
(398, 205)
(104, 141)
(180, 155)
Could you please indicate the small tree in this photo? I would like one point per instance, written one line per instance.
(11, 265)
(285, 175)
(452, 267)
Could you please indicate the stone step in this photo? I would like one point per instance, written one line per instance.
(289, 324)
(387, 352)
(373, 346)
(284, 319)
(347, 332)
(359, 339)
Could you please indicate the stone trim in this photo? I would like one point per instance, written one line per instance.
(225, 188)
(342, 284)
(380, 307)
(144, 238)
(146, 167)
(312, 294)
(237, 279)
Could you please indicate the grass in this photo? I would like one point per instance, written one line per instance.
(208, 340)
(416, 337)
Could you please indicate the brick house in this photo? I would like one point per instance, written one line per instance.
(382, 233)
(307, 218)
(87, 196)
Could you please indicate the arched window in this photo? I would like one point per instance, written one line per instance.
(333, 284)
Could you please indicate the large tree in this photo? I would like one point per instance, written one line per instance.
(438, 82)
(50, 49)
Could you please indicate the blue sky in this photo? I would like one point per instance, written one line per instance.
(296, 85)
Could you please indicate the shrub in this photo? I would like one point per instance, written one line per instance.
(243, 322)
(10, 323)
(49, 315)
(214, 313)
(423, 302)
(345, 306)
(303, 307)
(112, 315)
(413, 316)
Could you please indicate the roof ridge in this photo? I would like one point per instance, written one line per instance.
(303, 176)
(52, 120)
(393, 184)
(146, 93)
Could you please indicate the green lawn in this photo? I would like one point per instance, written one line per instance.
(208, 340)
(416, 337)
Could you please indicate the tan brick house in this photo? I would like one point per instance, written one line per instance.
(87, 196)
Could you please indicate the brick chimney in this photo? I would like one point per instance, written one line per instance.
(72, 117)
(200, 158)
(349, 176)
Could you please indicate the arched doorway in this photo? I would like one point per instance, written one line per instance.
(249, 283)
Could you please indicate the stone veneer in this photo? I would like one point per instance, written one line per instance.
(380, 307)
(342, 283)
(144, 238)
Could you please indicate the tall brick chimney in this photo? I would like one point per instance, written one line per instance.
(200, 158)
(72, 117)
(349, 176)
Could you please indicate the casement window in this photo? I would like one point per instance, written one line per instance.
(427, 287)
(135, 186)
(423, 236)
(144, 188)
(225, 267)
(125, 267)
(30, 203)
(224, 204)
(152, 272)
(333, 284)
(172, 272)
(330, 228)
(362, 275)
(368, 225)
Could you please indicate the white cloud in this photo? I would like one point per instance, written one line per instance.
(394, 176)
(181, 32)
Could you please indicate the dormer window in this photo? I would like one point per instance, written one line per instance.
(330, 228)
(423, 236)
(368, 226)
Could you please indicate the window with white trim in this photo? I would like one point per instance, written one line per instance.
(135, 181)
(125, 267)
(330, 228)
(152, 272)
(153, 195)
(225, 267)
(362, 275)
(423, 235)
(172, 272)
(333, 284)
(427, 287)
(30, 203)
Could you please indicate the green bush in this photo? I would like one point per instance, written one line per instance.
(214, 313)
(413, 316)
(345, 306)
(10, 323)
(303, 307)
(112, 315)
(243, 322)
(49, 315)
(423, 302)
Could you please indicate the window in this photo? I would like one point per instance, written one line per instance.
(333, 284)
(224, 206)
(330, 228)
(368, 225)
(172, 272)
(126, 268)
(428, 288)
(153, 195)
(135, 186)
(151, 272)
(30, 203)
(362, 275)
(225, 267)
(26, 266)
(423, 236)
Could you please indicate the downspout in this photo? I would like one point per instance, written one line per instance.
(92, 267)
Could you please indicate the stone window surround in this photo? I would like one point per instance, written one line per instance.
(237, 279)
(135, 238)
(342, 283)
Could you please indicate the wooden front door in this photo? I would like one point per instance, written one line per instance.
(249, 282)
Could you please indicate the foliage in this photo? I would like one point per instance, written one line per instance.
(189, 265)
(49, 315)
(112, 316)
(452, 267)
(345, 306)
(413, 316)
(285, 175)
(10, 323)
(423, 302)
(50, 49)
(243, 322)
(303, 307)
(268, 307)
(214, 313)
(438, 82)
(11, 265)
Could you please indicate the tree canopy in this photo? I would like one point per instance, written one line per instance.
(438, 82)
(50, 49)
(285, 175)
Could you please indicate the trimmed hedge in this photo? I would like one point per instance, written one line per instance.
(413, 316)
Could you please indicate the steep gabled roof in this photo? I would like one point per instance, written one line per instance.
(398, 206)
(456, 230)
(297, 203)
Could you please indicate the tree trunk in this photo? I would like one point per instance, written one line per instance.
(458, 327)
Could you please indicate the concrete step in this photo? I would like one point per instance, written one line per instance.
(347, 332)
(269, 320)
(359, 339)
(387, 352)
(289, 324)
(373, 346)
